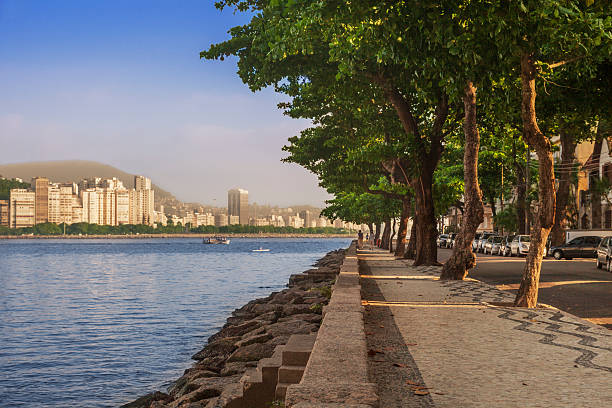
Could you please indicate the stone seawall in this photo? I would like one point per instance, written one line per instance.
(252, 335)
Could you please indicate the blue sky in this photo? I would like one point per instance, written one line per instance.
(121, 82)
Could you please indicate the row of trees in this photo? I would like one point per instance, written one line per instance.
(392, 89)
(83, 228)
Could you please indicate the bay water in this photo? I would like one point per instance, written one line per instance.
(100, 322)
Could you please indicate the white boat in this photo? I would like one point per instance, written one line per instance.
(260, 250)
(216, 240)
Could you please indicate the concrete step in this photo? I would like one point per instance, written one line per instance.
(281, 390)
(269, 366)
(298, 349)
(290, 374)
(251, 375)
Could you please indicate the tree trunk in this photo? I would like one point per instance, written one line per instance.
(411, 247)
(427, 157)
(568, 149)
(527, 295)
(392, 235)
(384, 241)
(493, 210)
(426, 232)
(463, 259)
(378, 227)
(403, 226)
(521, 200)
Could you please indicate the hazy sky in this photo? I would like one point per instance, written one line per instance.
(121, 82)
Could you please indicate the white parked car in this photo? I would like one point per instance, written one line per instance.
(519, 245)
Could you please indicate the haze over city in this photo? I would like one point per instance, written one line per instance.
(122, 84)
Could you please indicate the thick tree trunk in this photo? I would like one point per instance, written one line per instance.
(493, 211)
(527, 295)
(521, 198)
(377, 234)
(595, 199)
(403, 226)
(568, 149)
(463, 259)
(392, 235)
(428, 156)
(411, 247)
(384, 240)
(426, 232)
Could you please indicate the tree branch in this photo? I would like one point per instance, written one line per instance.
(561, 63)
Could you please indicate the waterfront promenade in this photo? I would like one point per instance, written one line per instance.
(435, 343)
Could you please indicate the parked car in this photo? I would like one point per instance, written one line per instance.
(492, 245)
(483, 240)
(475, 241)
(504, 249)
(450, 242)
(442, 240)
(519, 245)
(581, 247)
(603, 252)
(608, 264)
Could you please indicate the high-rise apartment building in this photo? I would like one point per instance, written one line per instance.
(40, 185)
(238, 204)
(144, 200)
(309, 219)
(122, 207)
(142, 183)
(220, 220)
(67, 196)
(21, 208)
(53, 204)
(4, 213)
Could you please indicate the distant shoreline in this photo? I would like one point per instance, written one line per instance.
(147, 236)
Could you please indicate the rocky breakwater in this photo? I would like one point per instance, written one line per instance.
(251, 334)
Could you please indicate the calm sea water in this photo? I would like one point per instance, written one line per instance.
(97, 323)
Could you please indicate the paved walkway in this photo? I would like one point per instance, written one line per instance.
(460, 344)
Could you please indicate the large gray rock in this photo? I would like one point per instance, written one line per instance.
(190, 376)
(289, 310)
(266, 308)
(221, 347)
(258, 338)
(214, 363)
(235, 330)
(252, 352)
(307, 317)
(202, 389)
(146, 400)
(289, 327)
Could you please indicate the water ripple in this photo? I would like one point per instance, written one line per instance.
(97, 323)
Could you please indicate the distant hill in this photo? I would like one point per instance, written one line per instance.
(74, 170)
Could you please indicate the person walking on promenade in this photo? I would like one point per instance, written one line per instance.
(359, 240)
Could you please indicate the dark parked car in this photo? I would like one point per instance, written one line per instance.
(580, 247)
(603, 252)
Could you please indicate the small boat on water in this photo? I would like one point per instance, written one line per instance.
(216, 240)
(260, 250)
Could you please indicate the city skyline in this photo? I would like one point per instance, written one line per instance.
(138, 97)
(106, 201)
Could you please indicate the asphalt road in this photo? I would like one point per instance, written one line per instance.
(576, 286)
